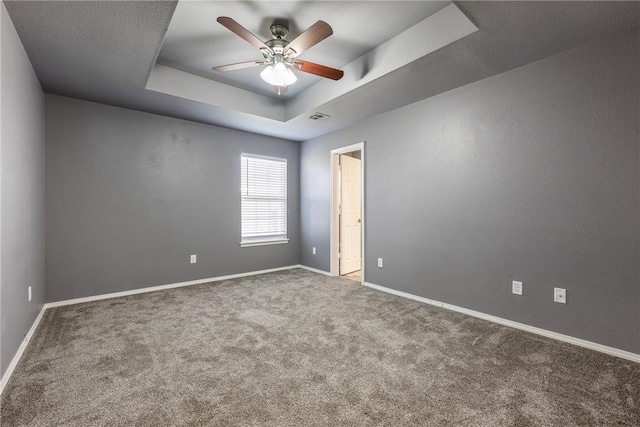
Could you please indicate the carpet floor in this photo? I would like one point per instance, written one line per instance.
(296, 348)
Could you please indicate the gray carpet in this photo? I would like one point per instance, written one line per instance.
(296, 348)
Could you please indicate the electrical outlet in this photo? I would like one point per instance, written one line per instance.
(29, 293)
(193, 259)
(313, 250)
(516, 287)
(560, 295)
(380, 262)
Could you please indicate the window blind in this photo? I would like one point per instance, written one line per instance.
(264, 198)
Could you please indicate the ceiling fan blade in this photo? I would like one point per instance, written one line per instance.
(243, 32)
(238, 66)
(312, 36)
(318, 70)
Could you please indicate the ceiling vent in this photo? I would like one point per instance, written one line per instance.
(319, 116)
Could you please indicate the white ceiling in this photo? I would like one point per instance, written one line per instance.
(106, 51)
(195, 42)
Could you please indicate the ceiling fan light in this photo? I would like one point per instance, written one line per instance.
(278, 75)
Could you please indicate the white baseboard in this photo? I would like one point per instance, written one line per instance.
(163, 287)
(539, 331)
(18, 355)
(315, 270)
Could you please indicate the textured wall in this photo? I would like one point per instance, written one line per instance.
(131, 195)
(530, 175)
(22, 193)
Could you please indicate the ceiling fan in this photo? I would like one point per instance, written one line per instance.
(280, 55)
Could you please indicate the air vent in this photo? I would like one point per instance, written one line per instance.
(319, 116)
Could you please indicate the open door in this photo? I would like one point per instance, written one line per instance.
(350, 215)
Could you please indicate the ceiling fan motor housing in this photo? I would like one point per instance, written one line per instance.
(278, 43)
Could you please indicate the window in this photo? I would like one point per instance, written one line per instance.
(264, 200)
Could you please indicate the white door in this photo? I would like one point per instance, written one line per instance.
(350, 215)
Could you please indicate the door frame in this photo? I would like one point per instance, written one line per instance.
(334, 225)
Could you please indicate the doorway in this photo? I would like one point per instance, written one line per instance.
(347, 212)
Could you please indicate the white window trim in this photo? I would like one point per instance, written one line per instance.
(263, 242)
(276, 239)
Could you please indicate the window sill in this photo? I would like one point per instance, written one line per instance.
(248, 243)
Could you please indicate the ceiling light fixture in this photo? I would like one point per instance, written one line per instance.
(278, 74)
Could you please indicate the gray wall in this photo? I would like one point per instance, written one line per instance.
(22, 193)
(131, 195)
(530, 175)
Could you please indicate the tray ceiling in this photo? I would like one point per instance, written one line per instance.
(195, 42)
